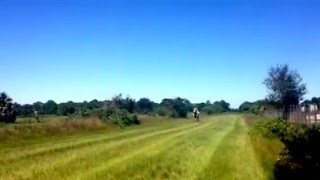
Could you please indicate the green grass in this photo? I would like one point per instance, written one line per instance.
(267, 150)
(219, 147)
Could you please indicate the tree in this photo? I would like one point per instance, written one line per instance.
(285, 87)
(50, 107)
(316, 101)
(245, 106)
(38, 106)
(200, 106)
(208, 109)
(225, 105)
(180, 107)
(119, 103)
(144, 105)
(218, 108)
(66, 108)
(128, 104)
(177, 107)
(189, 105)
(7, 111)
(25, 110)
(94, 104)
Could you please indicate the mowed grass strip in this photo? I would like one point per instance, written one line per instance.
(11, 154)
(183, 159)
(54, 160)
(216, 148)
(36, 143)
(93, 161)
(234, 158)
(109, 169)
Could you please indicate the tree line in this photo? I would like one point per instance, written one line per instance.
(285, 87)
(173, 107)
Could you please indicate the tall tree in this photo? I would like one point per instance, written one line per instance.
(285, 87)
(177, 107)
(225, 105)
(38, 106)
(7, 111)
(128, 104)
(245, 106)
(144, 105)
(66, 108)
(94, 104)
(50, 107)
(180, 107)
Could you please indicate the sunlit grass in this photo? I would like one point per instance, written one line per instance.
(267, 150)
(217, 148)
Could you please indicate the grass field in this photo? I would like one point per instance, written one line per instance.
(219, 147)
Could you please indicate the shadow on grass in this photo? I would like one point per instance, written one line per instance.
(285, 170)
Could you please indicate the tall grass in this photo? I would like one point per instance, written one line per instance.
(267, 150)
(27, 129)
(54, 126)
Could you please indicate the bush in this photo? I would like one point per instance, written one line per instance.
(123, 119)
(162, 111)
(176, 108)
(272, 128)
(174, 114)
(83, 112)
(119, 118)
(7, 109)
(8, 118)
(208, 110)
(255, 109)
(300, 158)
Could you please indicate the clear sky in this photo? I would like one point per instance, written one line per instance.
(197, 49)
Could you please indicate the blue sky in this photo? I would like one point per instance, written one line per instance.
(200, 50)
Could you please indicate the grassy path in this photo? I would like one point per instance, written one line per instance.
(216, 148)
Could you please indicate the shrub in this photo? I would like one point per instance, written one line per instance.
(300, 157)
(83, 112)
(176, 108)
(255, 109)
(119, 118)
(7, 110)
(208, 110)
(174, 114)
(123, 118)
(144, 106)
(162, 111)
(272, 128)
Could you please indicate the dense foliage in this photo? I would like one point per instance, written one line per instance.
(314, 100)
(7, 111)
(144, 106)
(300, 159)
(285, 87)
(177, 107)
(257, 107)
(119, 107)
(272, 128)
(214, 108)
